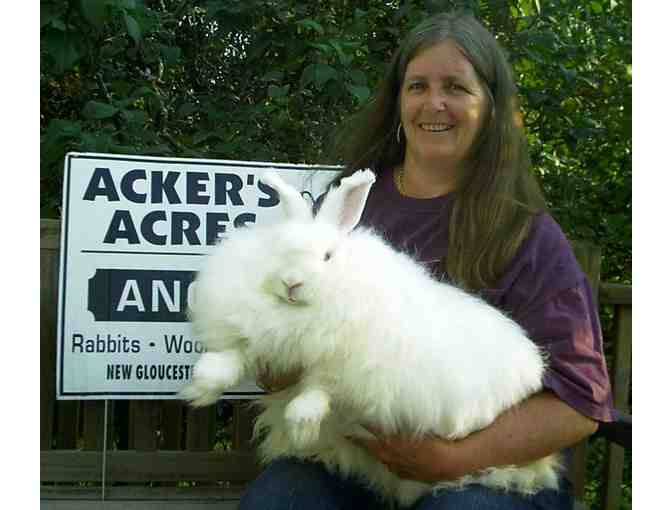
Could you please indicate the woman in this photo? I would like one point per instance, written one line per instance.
(445, 138)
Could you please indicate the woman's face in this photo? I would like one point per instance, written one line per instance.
(442, 106)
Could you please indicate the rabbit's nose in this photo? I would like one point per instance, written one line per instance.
(292, 289)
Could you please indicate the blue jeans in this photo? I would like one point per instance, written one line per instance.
(290, 484)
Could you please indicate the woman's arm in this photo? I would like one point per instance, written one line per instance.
(539, 426)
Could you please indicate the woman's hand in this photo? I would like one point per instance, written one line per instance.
(422, 459)
(273, 383)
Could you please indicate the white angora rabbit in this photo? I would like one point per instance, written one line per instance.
(379, 341)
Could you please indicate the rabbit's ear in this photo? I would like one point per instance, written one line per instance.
(344, 205)
(296, 208)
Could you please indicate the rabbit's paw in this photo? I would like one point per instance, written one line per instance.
(304, 415)
(213, 373)
(200, 394)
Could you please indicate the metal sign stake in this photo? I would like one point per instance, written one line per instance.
(104, 453)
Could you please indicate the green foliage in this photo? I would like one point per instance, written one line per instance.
(595, 485)
(575, 82)
(271, 79)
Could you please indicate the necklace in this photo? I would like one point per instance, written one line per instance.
(400, 181)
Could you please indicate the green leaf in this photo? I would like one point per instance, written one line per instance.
(225, 148)
(98, 110)
(125, 103)
(311, 24)
(172, 54)
(358, 77)
(202, 136)
(161, 149)
(344, 59)
(275, 91)
(273, 76)
(95, 12)
(324, 48)
(569, 74)
(596, 7)
(186, 109)
(136, 117)
(318, 74)
(59, 24)
(99, 142)
(126, 4)
(142, 91)
(62, 50)
(214, 6)
(59, 128)
(49, 13)
(133, 28)
(359, 92)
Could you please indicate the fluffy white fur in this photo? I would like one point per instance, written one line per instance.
(380, 343)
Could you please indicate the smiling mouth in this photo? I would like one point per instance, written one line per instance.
(436, 127)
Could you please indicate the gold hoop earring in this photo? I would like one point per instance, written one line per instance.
(399, 134)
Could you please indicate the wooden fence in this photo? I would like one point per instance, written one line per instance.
(163, 449)
(153, 446)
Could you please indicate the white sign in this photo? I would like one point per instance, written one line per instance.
(135, 231)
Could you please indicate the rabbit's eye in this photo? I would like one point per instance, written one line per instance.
(327, 256)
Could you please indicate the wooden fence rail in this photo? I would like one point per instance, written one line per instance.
(160, 449)
(620, 297)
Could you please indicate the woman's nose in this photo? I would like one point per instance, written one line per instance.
(438, 100)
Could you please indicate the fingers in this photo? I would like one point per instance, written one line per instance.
(379, 449)
(375, 431)
(367, 444)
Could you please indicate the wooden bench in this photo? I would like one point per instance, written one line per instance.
(162, 454)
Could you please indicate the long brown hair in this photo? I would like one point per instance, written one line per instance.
(496, 195)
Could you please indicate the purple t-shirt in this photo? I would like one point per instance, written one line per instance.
(543, 289)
